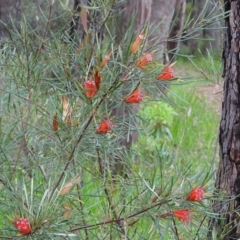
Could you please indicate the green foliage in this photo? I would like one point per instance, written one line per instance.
(194, 133)
(156, 122)
(158, 118)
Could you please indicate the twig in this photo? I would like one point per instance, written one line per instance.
(5, 237)
(46, 29)
(100, 164)
(71, 156)
(175, 227)
(80, 201)
(199, 227)
(81, 136)
(122, 218)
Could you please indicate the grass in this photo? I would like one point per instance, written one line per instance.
(195, 129)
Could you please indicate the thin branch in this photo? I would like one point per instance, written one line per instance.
(80, 201)
(175, 228)
(122, 218)
(81, 136)
(5, 237)
(46, 29)
(199, 227)
(112, 207)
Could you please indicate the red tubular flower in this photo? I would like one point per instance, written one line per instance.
(97, 79)
(105, 126)
(182, 214)
(22, 224)
(91, 89)
(166, 74)
(137, 42)
(135, 97)
(105, 60)
(196, 195)
(145, 60)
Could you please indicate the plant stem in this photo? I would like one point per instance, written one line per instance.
(80, 201)
(122, 218)
(46, 30)
(70, 158)
(100, 164)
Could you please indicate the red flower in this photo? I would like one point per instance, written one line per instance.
(97, 79)
(22, 224)
(182, 214)
(166, 74)
(105, 60)
(196, 195)
(137, 42)
(91, 89)
(135, 97)
(105, 126)
(145, 60)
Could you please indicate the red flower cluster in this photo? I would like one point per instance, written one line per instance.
(22, 224)
(91, 89)
(166, 74)
(135, 97)
(145, 60)
(105, 126)
(182, 214)
(196, 195)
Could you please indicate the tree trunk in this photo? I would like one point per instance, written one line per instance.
(228, 176)
(143, 10)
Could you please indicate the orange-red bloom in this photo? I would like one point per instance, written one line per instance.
(22, 224)
(196, 195)
(145, 60)
(91, 89)
(137, 42)
(105, 60)
(105, 126)
(182, 214)
(55, 124)
(135, 97)
(166, 74)
(97, 79)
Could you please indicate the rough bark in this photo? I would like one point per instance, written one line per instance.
(228, 175)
